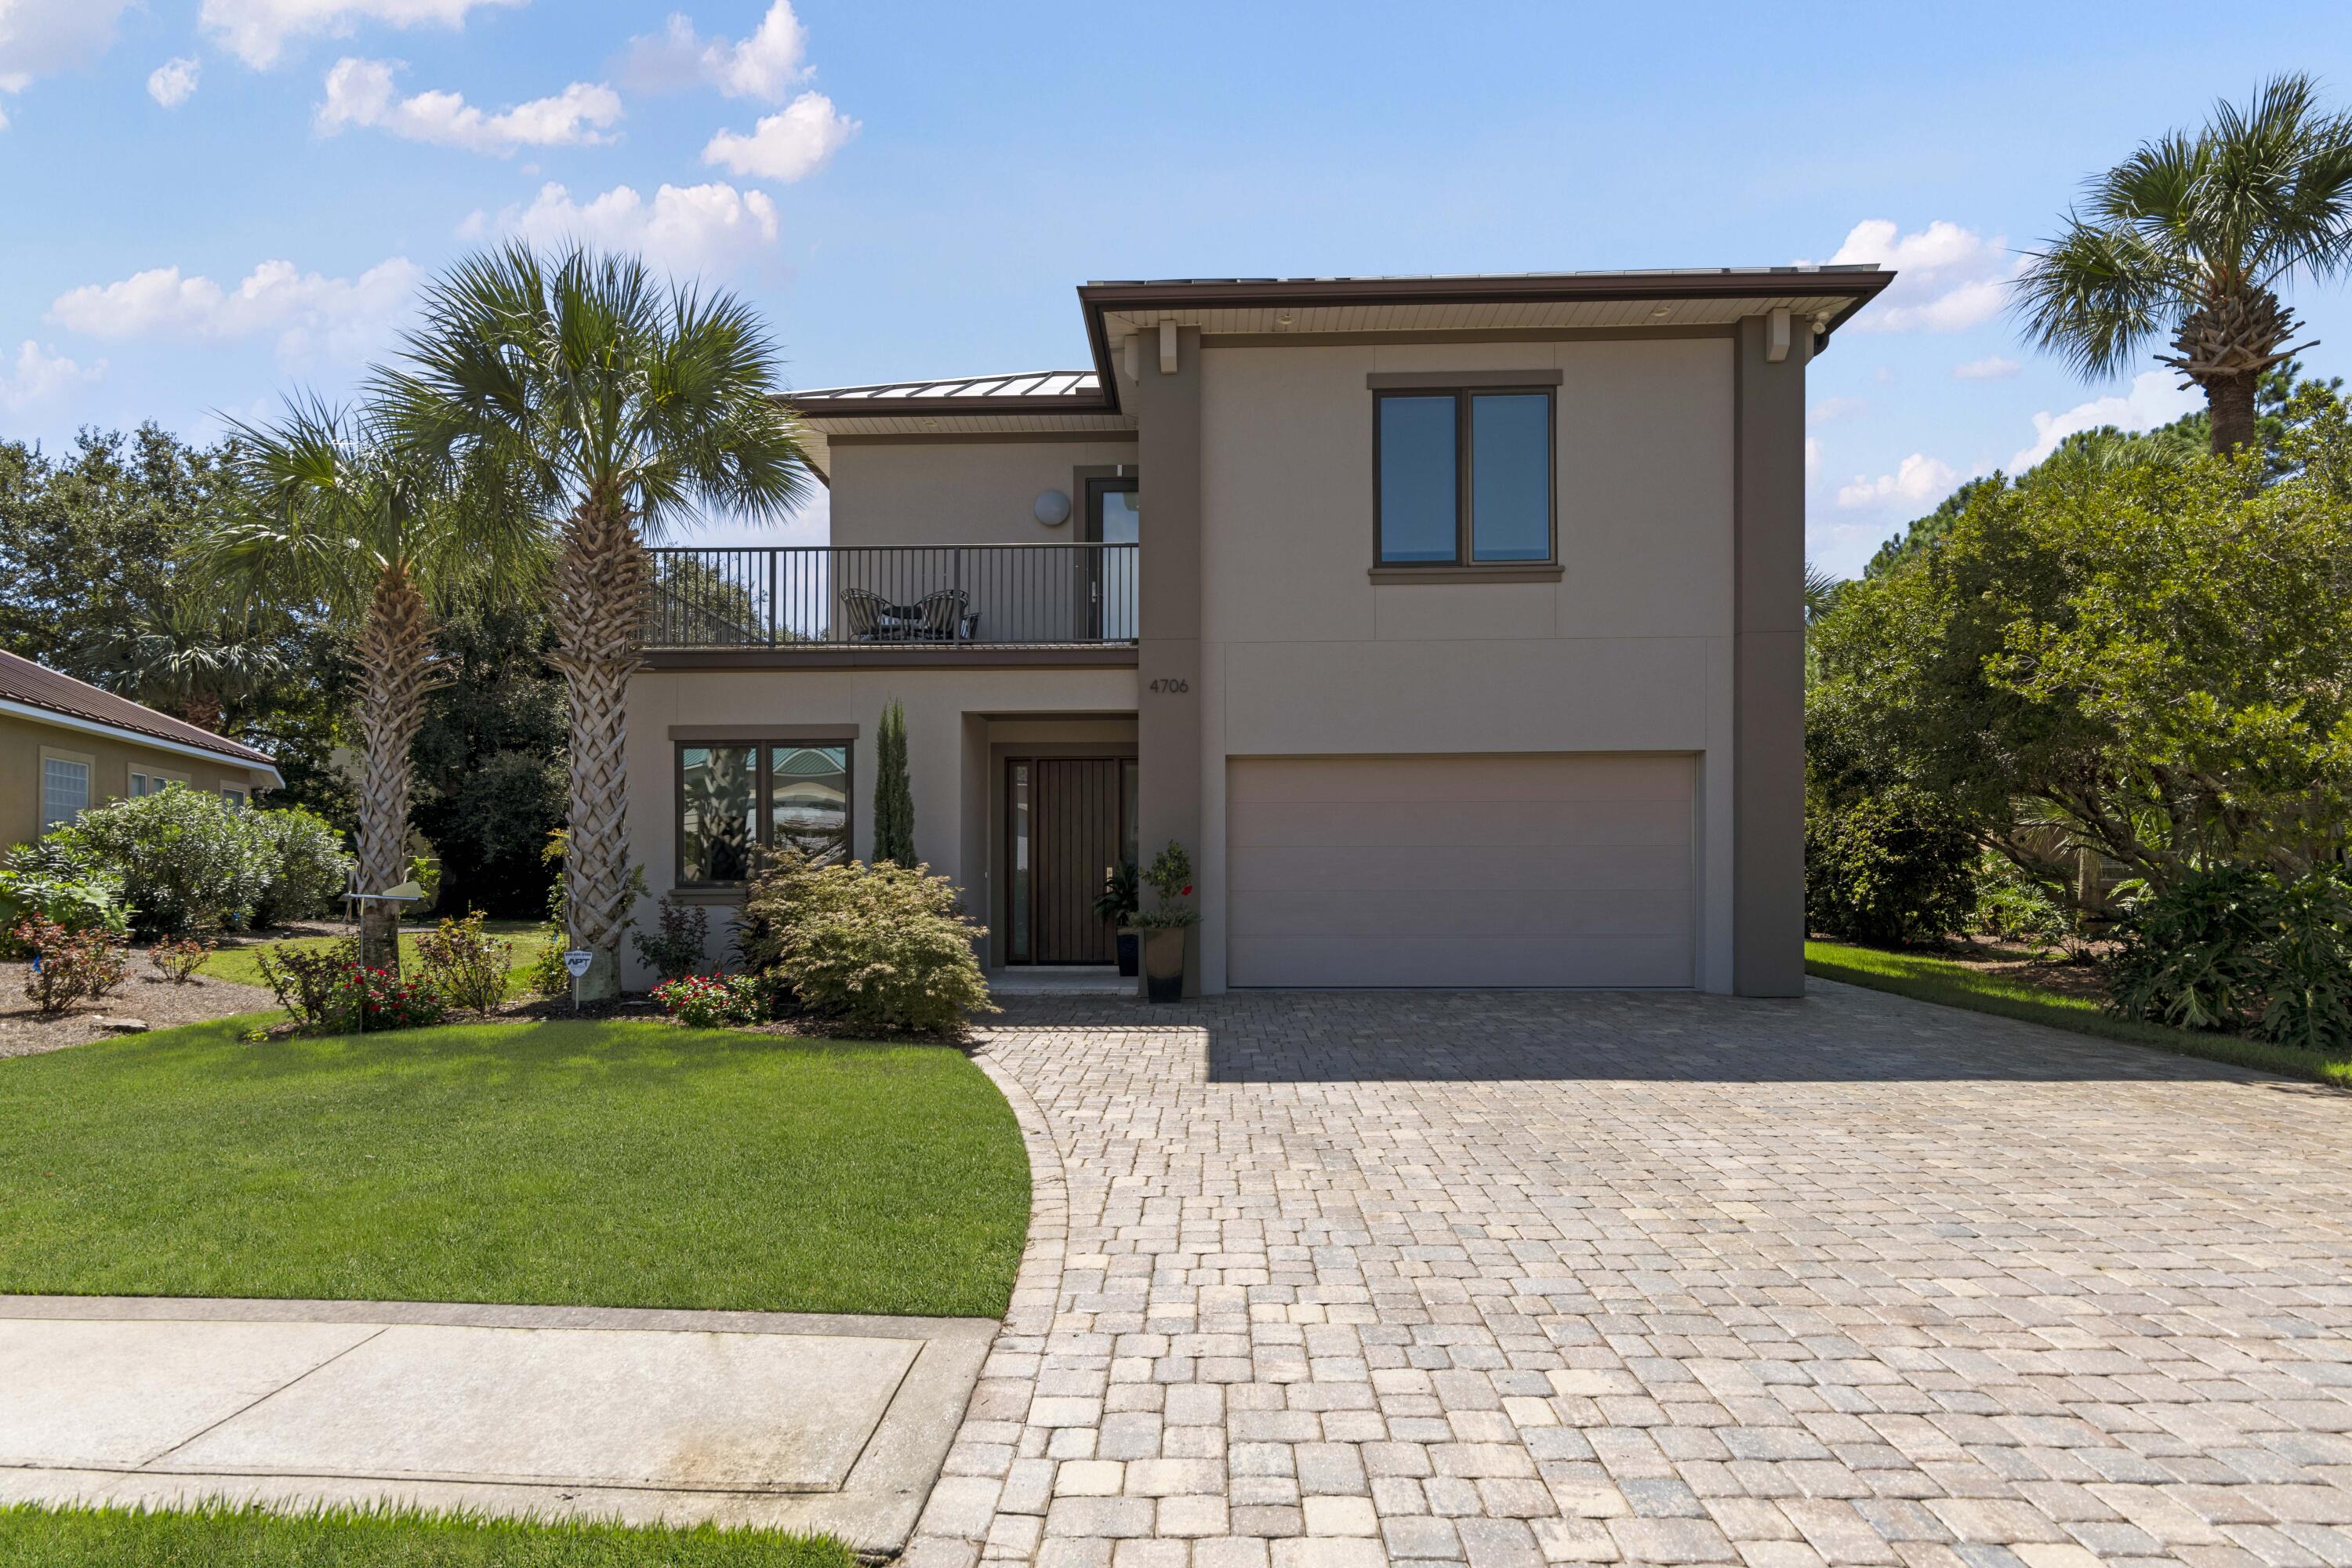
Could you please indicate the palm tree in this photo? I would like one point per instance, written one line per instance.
(626, 404)
(2195, 236)
(330, 515)
(186, 656)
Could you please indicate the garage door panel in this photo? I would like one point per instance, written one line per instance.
(1388, 824)
(1468, 870)
(1417, 868)
(1445, 778)
(1424, 960)
(1536, 913)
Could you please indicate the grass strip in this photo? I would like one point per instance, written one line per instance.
(1923, 977)
(221, 1536)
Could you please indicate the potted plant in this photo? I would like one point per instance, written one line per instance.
(1117, 903)
(1163, 928)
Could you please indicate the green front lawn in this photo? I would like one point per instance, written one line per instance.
(562, 1163)
(346, 1538)
(243, 964)
(1928, 978)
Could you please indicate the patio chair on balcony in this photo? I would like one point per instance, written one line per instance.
(943, 615)
(868, 613)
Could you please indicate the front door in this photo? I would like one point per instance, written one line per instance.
(1072, 822)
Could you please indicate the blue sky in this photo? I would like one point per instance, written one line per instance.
(206, 202)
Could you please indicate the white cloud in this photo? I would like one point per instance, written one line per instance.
(766, 65)
(785, 146)
(360, 92)
(39, 38)
(345, 317)
(1948, 277)
(173, 82)
(2155, 399)
(685, 228)
(1992, 367)
(1918, 481)
(257, 31)
(37, 377)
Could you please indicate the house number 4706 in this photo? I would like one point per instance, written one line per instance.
(1173, 685)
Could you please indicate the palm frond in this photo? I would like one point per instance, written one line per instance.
(2096, 295)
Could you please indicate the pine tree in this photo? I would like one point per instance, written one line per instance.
(894, 795)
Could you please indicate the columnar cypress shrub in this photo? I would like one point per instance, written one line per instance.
(894, 795)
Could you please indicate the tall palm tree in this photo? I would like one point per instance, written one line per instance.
(2196, 236)
(330, 514)
(628, 405)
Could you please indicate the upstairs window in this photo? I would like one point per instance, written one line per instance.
(1463, 477)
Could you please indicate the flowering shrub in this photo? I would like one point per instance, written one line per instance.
(178, 960)
(465, 963)
(710, 1001)
(327, 991)
(67, 965)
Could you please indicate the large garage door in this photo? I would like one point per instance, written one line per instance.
(1523, 871)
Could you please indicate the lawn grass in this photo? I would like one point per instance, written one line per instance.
(380, 1537)
(606, 1163)
(243, 964)
(1926, 978)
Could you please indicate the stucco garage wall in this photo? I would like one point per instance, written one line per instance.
(1630, 651)
(949, 728)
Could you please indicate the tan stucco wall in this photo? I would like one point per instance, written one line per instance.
(953, 716)
(959, 493)
(1630, 651)
(111, 759)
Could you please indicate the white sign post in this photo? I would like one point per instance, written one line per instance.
(577, 961)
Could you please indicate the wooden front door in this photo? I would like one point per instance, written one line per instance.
(1068, 831)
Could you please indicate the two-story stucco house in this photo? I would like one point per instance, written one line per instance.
(1453, 624)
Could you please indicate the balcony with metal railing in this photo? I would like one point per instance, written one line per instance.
(894, 600)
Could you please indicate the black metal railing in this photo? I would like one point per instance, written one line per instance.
(800, 595)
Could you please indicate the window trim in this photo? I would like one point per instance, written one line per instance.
(764, 741)
(1465, 388)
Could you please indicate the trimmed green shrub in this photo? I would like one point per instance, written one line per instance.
(710, 1001)
(187, 860)
(877, 947)
(309, 871)
(1888, 868)
(72, 906)
(894, 795)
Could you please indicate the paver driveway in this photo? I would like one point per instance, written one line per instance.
(1332, 1280)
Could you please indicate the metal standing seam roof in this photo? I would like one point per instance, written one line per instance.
(1027, 383)
(38, 685)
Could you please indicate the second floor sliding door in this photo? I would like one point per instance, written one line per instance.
(1113, 516)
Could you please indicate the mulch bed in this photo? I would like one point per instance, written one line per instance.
(2044, 971)
(145, 995)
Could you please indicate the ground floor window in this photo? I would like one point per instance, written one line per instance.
(233, 798)
(65, 791)
(735, 799)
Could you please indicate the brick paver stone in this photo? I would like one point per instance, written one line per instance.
(1337, 1280)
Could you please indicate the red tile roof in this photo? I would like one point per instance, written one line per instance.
(38, 685)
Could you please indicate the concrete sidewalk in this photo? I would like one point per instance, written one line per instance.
(787, 1420)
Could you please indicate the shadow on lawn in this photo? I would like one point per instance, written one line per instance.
(1835, 1033)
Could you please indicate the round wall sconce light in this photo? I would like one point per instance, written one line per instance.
(1053, 508)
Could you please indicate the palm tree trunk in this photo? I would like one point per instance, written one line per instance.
(2230, 402)
(598, 608)
(396, 670)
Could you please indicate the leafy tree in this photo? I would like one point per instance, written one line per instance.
(2196, 235)
(186, 657)
(622, 405)
(2151, 655)
(489, 756)
(894, 795)
(330, 517)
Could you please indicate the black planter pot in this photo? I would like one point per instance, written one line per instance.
(1163, 963)
(1130, 958)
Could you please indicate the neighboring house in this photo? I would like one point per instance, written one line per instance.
(1455, 625)
(66, 745)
